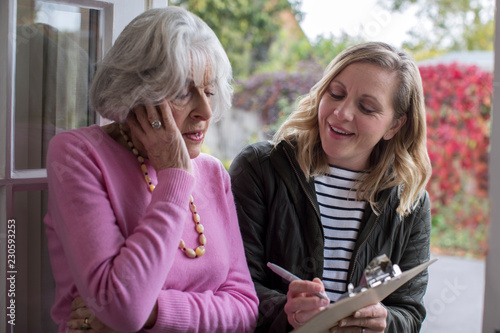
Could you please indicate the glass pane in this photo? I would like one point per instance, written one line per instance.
(34, 284)
(56, 51)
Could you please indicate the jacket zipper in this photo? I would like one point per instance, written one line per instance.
(365, 240)
(319, 216)
(301, 184)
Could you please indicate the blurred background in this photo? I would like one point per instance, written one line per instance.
(279, 48)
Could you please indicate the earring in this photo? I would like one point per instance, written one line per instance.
(386, 136)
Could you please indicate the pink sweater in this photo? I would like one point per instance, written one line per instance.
(115, 244)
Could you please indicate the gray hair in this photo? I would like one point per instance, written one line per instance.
(154, 58)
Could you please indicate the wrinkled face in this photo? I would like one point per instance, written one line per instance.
(355, 113)
(192, 111)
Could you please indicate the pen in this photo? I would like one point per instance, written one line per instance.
(289, 276)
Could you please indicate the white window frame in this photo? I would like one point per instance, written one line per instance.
(116, 15)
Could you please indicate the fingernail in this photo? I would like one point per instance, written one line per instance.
(357, 314)
(342, 323)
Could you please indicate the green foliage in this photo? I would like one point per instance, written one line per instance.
(450, 238)
(326, 48)
(480, 36)
(284, 55)
(421, 53)
(290, 56)
(246, 28)
(259, 38)
(454, 24)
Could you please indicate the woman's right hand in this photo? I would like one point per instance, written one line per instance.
(165, 146)
(302, 302)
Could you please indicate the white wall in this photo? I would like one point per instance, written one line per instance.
(491, 319)
(228, 136)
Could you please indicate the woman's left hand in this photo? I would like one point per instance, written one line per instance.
(373, 319)
(82, 320)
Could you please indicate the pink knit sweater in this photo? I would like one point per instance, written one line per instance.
(115, 244)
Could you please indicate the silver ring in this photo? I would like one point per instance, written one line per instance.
(363, 330)
(156, 124)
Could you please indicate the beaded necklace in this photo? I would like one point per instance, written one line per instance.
(202, 239)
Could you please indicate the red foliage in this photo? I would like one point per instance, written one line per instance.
(458, 100)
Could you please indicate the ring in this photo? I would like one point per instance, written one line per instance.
(363, 330)
(85, 325)
(156, 124)
(298, 323)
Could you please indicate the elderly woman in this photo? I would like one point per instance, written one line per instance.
(142, 227)
(342, 182)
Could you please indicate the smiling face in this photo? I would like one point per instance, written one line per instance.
(192, 111)
(355, 113)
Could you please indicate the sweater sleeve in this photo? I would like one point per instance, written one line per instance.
(405, 306)
(119, 278)
(230, 308)
(251, 206)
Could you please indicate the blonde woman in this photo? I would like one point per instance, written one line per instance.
(342, 182)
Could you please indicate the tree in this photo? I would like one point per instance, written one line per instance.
(246, 28)
(327, 48)
(452, 24)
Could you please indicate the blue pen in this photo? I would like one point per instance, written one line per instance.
(290, 277)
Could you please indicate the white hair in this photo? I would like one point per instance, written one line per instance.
(154, 58)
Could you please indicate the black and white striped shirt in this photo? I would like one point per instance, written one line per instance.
(341, 217)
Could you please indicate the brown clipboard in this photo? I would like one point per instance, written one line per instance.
(329, 318)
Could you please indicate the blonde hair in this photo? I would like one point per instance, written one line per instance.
(402, 161)
(154, 58)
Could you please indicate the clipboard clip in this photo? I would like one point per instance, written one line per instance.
(379, 271)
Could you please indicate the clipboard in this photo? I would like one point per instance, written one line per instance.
(325, 320)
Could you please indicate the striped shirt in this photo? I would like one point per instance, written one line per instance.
(341, 216)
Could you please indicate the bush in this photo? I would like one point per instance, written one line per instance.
(458, 100)
(275, 94)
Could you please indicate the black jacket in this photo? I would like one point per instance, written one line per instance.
(280, 223)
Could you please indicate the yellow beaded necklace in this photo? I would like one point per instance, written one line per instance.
(190, 253)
